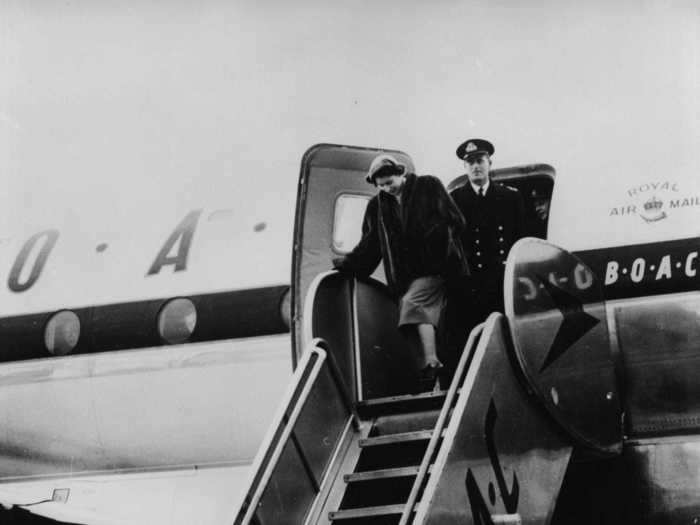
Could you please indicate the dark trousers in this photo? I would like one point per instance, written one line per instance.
(469, 302)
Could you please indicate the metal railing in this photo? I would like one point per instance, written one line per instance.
(450, 399)
(282, 457)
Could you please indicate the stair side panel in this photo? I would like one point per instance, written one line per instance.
(502, 455)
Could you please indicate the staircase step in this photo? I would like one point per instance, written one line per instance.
(365, 512)
(396, 438)
(392, 455)
(401, 404)
(377, 492)
(402, 423)
(383, 473)
(382, 519)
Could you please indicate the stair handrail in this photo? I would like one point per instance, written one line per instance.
(457, 380)
(312, 359)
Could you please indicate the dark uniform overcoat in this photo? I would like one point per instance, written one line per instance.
(494, 222)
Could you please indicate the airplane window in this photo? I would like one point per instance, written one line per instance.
(62, 332)
(347, 222)
(177, 320)
(286, 308)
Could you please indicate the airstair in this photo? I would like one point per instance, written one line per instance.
(493, 448)
(370, 469)
(395, 456)
(349, 446)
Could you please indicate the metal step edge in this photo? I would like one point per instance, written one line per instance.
(399, 472)
(418, 435)
(402, 437)
(401, 399)
(379, 474)
(366, 512)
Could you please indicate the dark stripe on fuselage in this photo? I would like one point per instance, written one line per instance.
(226, 315)
(646, 269)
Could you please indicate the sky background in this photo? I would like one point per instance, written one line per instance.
(113, 114)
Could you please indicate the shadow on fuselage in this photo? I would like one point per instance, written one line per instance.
(19, 516)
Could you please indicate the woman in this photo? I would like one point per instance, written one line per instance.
(413, 225)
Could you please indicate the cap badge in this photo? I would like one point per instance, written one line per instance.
(470, 147)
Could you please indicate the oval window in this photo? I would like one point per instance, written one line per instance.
(62, 332)
(177, 320)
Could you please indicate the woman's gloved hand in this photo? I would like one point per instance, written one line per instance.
(339, 262)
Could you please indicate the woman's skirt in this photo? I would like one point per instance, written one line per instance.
(423, 301)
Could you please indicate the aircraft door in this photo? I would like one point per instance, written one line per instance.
(332, 197)
(535, 182)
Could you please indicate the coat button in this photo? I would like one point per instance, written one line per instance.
(478, 254)
(476, 229)
(501, 252)
(500, 239)
(480, 265)
(476, 241)
(500, 228)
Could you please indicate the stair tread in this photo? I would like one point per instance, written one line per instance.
(382, 473)
(427, 401)
(397, 472)
(364, 512)
(396, 438)
(402, 398)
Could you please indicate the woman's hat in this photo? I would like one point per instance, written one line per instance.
(384, 166)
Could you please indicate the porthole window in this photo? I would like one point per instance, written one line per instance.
(62, 333)
(177, 320)
(286, 308)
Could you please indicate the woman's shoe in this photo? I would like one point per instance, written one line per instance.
(428, 376)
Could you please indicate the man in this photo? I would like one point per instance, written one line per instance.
(411, 224)
(495, 216)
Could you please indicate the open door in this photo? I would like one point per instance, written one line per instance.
(331, 199)
(535, 183)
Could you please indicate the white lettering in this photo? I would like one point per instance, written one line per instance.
(530, 287)
(690, 271)
(583, 277)
(664, 268)
(611, 272)
(637, 271)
